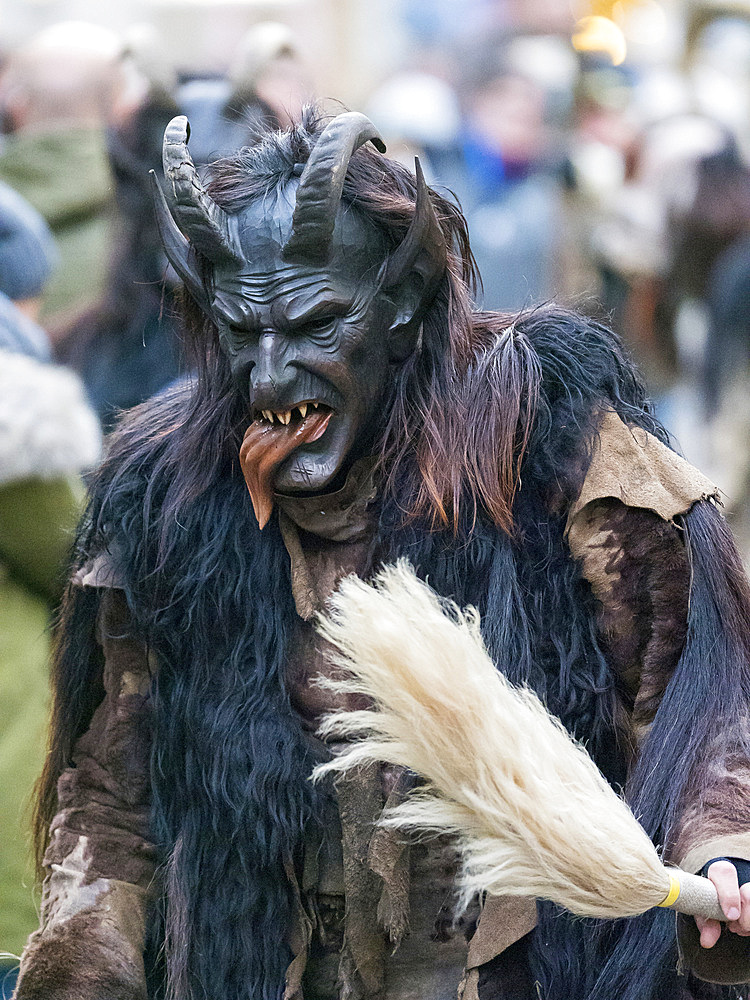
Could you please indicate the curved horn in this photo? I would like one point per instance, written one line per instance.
(205, 224)
(322, 182)
(179, 252)
(422, 247)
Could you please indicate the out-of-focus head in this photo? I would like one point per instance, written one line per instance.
(66, 75)
(27, 251)
(316, 263)
(417, 109)
(505, 105)
(146, 75)
(269, 67)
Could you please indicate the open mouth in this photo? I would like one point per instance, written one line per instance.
(270, 439)
(294, 416)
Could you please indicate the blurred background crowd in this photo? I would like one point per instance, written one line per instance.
(600, 150)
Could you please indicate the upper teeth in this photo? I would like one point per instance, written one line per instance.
(284, 416)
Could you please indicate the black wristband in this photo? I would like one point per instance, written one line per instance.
(742, 866)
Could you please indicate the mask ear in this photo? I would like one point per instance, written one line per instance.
(413, 272)
(403, 333)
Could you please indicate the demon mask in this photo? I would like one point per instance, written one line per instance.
(312, 310)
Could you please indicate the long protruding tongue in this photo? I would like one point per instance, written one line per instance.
(265, 446)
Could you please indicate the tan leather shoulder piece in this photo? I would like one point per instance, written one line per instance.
(633, 466)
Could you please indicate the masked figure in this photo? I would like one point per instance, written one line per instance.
(350, 408)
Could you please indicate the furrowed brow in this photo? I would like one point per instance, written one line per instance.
(237, 313)
(297, 314)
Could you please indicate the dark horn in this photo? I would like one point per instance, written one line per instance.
(205, 223)
(322, 182)
(179, 252)
(424, 239)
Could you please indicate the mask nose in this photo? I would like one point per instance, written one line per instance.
(271, 374)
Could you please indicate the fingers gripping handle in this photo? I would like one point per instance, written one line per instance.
(694, 895)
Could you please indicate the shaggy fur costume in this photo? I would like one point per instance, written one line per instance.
(210, 596)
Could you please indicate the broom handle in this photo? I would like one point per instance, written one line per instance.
(697, 896)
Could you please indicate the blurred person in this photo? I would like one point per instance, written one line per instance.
(711, 267)
(267, 82)
(711, 217)
(145, 72)
(636, 243)
(56, 92)
(726, 381)
(127, 346)
(48, 435)
(28, 257)
(502, 172)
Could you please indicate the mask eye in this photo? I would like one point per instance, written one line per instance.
(319, 325)
(234, 338)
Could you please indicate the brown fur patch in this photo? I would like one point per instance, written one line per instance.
(100, 858)
(638, 570)
(104, 797)
(94, 953)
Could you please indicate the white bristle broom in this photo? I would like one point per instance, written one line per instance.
(532, 813)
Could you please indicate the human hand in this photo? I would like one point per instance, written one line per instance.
(734, 900)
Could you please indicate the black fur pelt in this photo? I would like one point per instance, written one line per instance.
(537, 613)
(230, 764)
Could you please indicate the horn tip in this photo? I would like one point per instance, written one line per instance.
(178, 129)
(378, 144)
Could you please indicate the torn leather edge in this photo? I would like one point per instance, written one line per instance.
(631, 465)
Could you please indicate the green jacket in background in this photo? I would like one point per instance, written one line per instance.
(48, 435)
(65, 175)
